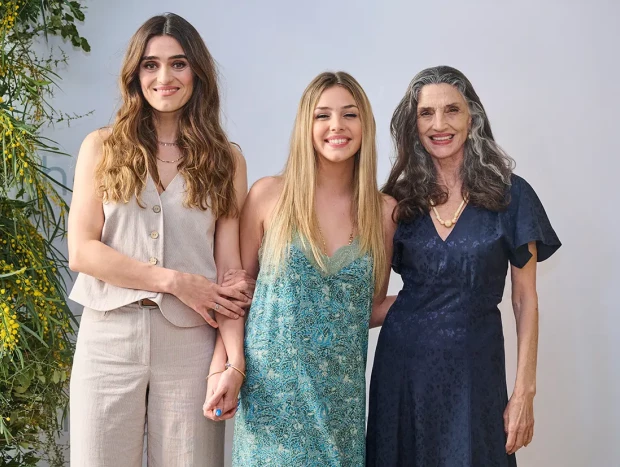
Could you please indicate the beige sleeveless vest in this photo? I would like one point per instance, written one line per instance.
(165, 234)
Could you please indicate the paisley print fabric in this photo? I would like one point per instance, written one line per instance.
(303, 402)
(438, 386)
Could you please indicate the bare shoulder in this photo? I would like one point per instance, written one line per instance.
(237, 154)
(93, 143)
(264, 194)
(389, 205)
(267, 189)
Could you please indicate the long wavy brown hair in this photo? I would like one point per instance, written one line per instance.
(413, 180)
(129, 152)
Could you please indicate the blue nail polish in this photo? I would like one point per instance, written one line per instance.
(218, 412)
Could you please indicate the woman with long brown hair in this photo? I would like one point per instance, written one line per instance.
(153, 227)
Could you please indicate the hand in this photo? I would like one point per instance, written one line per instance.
(519, 422)
(240, 280)
(202, 295)
(223, 394)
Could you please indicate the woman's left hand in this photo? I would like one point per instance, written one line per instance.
(240, 280)
(224, 397)
(519, 422)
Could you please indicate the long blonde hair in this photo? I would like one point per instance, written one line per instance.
(295, 209)
(129, 152)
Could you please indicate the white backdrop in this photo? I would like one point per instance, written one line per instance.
(546, 72)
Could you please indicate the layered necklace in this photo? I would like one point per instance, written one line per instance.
(167, 145)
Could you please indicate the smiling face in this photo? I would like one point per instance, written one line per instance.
(337, 128)
(443, 120)
(166, 79)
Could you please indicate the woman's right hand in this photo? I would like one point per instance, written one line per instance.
(202, 296)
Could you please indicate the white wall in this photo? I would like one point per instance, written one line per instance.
(546, 72)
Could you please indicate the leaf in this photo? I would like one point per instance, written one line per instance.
(85, 45)
(56, 377)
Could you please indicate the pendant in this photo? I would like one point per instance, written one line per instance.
(448, 224)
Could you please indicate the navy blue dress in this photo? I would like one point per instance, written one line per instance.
(438, 386)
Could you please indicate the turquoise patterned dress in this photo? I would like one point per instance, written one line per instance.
(304, 399)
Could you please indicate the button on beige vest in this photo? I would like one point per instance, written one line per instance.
(165, 234)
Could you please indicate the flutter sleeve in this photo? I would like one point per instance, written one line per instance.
(526, 221)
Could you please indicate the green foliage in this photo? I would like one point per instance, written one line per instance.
(36, 344)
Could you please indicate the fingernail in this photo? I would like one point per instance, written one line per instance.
(218, 412)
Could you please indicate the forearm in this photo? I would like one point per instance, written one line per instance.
(219, 355)
(380, 309)
(526, 314)
(96, 259)
(232, 333)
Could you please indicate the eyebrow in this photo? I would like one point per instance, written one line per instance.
(454, 104)
(350, 106)
(153, 57)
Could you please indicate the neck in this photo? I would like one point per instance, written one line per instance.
(167, 126)
(449, 172)
(335, 178)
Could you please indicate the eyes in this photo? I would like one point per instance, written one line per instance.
(326, 116)
(177, 65)
(450, 110)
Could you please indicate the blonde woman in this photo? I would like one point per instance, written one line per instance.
(153, 216)
(326, 235)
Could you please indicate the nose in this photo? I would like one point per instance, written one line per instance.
(165, 74)
(439, 121)
(336, 123)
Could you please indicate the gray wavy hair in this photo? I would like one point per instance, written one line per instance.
(413, 181)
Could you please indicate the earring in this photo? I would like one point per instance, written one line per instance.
(469, 136)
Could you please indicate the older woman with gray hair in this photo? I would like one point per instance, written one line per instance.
(438, 390)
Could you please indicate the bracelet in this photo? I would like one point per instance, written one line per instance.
(214, 373)
(228, 365)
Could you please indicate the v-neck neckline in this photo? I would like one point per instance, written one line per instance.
(454, 227)
(340, 259)
(166, 188)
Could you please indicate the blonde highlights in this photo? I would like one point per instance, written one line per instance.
(295, 209)
(130, 150)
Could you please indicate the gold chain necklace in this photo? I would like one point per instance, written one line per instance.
(449, 223)
(325, 244)
(170, 162)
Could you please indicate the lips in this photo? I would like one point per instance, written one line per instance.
(338, 140)
(441, 139)
(166, 90)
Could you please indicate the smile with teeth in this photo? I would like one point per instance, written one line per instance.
(166, 91)
(337, 141)
(442, 138)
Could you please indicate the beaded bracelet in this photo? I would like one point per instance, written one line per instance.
(228, 365)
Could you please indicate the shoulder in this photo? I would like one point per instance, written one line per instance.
(237, 154)
(95, 139)
(267, 189)
(388, 205)
(91, 149)
(519, 187)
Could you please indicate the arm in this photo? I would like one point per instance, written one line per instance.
(381, 303)
(224, 396)
(88, 255)
(223, 389)
(519, 414)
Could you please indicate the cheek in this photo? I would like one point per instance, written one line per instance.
(317, 135)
